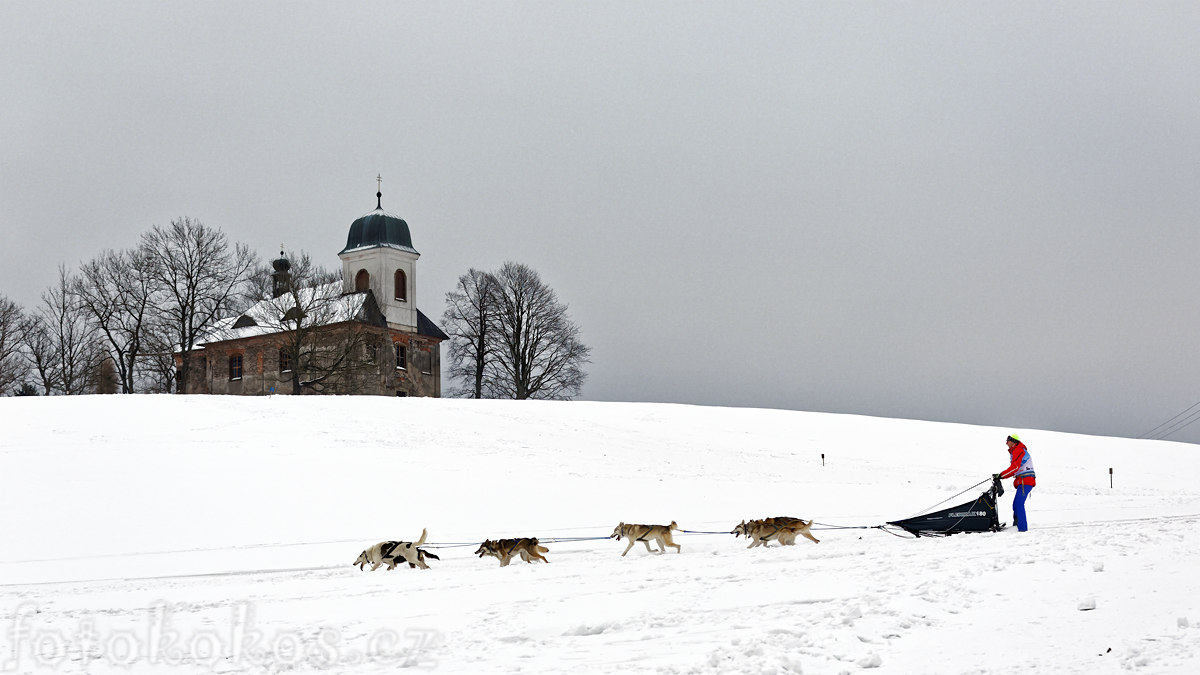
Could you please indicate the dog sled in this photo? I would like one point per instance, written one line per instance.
(979, 515)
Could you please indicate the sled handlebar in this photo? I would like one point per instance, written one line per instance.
(997, 485)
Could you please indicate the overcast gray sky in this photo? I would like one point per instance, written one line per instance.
(974, 212)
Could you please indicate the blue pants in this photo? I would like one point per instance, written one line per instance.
(1019, 507)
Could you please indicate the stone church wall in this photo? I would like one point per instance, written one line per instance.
(261, 375)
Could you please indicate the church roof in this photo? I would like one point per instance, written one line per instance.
(264, 318)
(429, 328)
(268, 316)
(379, 228)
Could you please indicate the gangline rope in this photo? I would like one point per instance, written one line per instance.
(815, 526)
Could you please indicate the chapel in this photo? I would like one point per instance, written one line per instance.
(396, 346)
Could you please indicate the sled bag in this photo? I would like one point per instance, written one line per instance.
(973, 516)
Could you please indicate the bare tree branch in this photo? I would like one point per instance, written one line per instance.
(115, 290)
(156, 371)
(321, 329)
(12, 329)
(467, 320)
(62, 341)
(511, 338)
(198, 279)
(39, 352)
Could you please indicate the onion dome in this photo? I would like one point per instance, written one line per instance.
(379, 229)
(281, 264)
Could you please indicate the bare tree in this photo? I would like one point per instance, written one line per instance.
(12, 328)
(512, 337)
(468, 318)
(324, 343)
(198, 278)
(539, 354)
(156, 371)
(61, 341)
(39, 352)
(115, 289)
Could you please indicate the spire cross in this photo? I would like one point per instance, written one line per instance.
(379, 194)
(379, 182)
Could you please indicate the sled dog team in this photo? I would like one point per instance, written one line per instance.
(761, 532)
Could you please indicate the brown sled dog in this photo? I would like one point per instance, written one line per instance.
(780, 528)
(506, 549)
(644, 533)
(391, 552)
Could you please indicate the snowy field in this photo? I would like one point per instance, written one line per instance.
(216, 534)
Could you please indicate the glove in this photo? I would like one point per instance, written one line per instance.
(995, 477)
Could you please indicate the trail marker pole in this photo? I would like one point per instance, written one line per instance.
(822, 459)
(1110, 480)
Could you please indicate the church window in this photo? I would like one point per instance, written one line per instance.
(362, 281)
(371, 351)
(285, 359)
(401, 286)
(235, 367)
(401, 357)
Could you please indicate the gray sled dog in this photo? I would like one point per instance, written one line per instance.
(506, 549)
(391, 552)
(780, 528)
(644, 533)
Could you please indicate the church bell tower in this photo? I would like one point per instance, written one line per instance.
(379, 256)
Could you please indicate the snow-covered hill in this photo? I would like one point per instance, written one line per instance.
(213, 534)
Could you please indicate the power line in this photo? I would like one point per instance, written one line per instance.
(1155, 430)
(1179, 426)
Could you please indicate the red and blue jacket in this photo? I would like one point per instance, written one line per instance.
(1021, 466)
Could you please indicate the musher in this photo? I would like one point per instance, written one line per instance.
(1020, 466)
